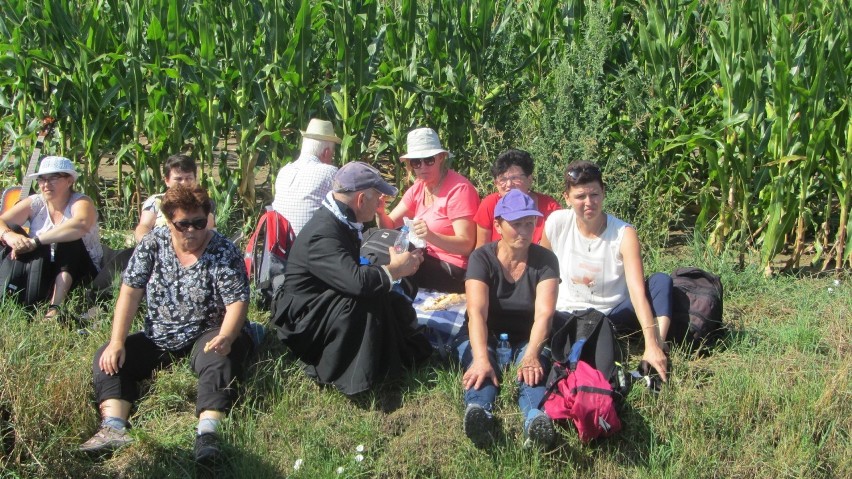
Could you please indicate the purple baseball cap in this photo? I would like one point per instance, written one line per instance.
(514, 205)
(357, 176)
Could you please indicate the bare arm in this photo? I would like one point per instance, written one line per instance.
(392, 220)
(147, 219)
(460, 242)
(480, 369)
(18, 215)
(125, 309)
(83, 217)
(531, 370)
(635, 277)
(545, 242)
(483, 236)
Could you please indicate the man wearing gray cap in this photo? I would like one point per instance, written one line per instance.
(337, 314)
(301, 185)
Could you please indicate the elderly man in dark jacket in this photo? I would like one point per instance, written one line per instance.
(337, 314)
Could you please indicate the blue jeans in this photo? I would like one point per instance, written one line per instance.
(658, 289)
(529, 397)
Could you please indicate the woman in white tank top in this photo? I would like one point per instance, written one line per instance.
(63, 225)
(601, 267)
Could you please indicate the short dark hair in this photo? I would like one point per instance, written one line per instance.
(510, 158)
(187, 198)
(184, 163)
(582, 172)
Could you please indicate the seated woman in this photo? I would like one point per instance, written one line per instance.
(442, 203)
(601, 267)
(513, 169)
(197, 291)
(63, 228)
(511, 288)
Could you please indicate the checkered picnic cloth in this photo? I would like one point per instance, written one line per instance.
(442, 326)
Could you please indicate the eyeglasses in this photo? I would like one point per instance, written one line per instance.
(49, 178)
(575, 174)
(501, 180)
(416, 163)
(197, 224)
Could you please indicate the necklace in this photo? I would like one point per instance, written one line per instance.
(596, 236)
(430, 193)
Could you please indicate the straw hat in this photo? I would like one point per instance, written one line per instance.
(423, 143)
(320, 130)
(55, 164)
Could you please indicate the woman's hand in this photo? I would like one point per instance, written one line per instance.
(530, 371)
(112, 359)
(655, 356)
(421, 229)
(19, 243)
(221, 345)
(478, 372)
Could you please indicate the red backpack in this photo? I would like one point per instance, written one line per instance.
(266, 252)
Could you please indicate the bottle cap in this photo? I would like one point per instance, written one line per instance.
(504, 337)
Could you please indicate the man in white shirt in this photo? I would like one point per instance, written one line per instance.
(301, 186)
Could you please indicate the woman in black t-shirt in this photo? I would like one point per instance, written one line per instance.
(511, 287)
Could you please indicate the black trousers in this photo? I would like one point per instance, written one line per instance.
(217, 375)
(439, 275)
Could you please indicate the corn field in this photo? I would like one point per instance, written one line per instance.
(739, 112)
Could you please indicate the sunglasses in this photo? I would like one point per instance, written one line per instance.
(416, 163)
(576, 174)
(197, 224)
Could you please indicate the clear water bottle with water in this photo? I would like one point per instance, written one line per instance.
(401, 243)
(504, 351)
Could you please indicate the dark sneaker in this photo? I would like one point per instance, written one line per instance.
(207, 449)
(478, 425)
(107, 439)
(540, 431)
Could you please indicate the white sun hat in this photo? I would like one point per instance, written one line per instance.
(320, 130)
(55, 164)
(423, 143)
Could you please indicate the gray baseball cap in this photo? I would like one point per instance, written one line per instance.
(357, 176)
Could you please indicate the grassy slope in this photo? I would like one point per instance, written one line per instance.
(774, 401)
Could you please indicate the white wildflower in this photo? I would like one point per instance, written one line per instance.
(340, 470)
(359, 458)
(360, 448)
(298, 464)
(830, 290)
(837, 282)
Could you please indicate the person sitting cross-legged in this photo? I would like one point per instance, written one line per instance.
(197, 294)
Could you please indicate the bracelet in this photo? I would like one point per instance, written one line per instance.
(36, 242)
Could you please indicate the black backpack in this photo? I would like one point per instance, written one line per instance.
(696, 308)
(28, 277)
(593, 333)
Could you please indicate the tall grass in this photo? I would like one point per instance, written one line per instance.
(771, 401)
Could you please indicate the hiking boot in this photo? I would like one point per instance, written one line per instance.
(539, 431)
(107, 439)
(478, 425)
(207, 449)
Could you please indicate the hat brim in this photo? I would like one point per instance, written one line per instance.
(73, 173)
(387, 189)
(413, 155)
(516, 215)
(317, 136)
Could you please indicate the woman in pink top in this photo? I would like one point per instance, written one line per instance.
(442, 203)
(513, 169)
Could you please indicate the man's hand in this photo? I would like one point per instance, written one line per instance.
(404, 264)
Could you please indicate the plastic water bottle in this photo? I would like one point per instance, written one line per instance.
(504, 351)
(401, 243)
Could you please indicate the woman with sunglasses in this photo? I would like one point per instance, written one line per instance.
(442, 203)
(512, 169)
(601, 267)
(196, 291)
(63, 232)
